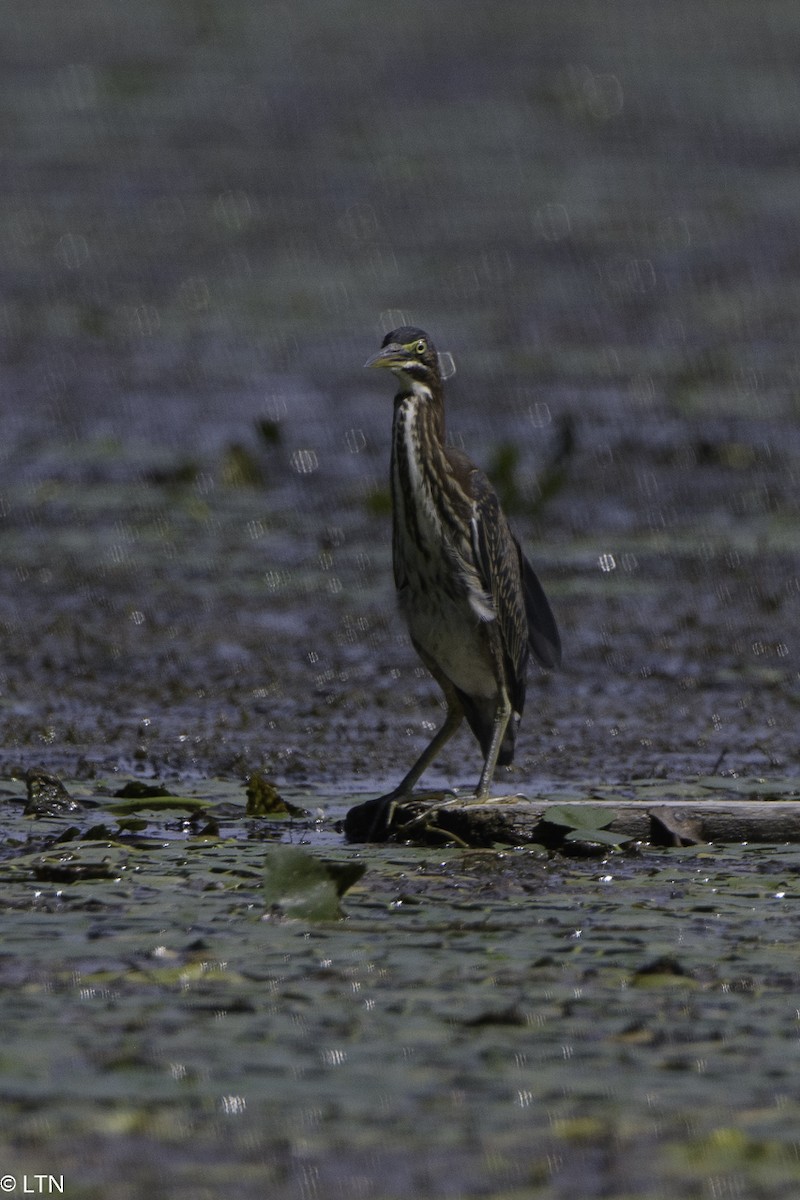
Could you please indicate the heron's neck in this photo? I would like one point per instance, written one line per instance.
(418, 465)
(420, 410)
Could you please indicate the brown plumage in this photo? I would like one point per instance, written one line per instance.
(474, 607)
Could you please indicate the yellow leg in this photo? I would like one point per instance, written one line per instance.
(371, 820)
(501, 718)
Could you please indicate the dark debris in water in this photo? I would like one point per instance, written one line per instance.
(47, 796)
(136, 789)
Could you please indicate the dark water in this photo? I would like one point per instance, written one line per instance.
(210, 214)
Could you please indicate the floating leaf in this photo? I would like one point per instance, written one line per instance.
(296, 884)
(578, 816)
(70, 834)
(191, 804)
(601, 837)
(662, 971)
(134, 789)
(98, 860)
(264, 799)
(97, 833)
(585, 822)
(779, 789)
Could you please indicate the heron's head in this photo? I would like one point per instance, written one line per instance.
(411, 354)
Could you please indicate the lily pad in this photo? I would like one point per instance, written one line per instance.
(134, 789)
(77, 863)
(264, 800)
(191, 804)
(778, 789)
(578, 816)
(296, 884)
(600, 837)
(585, 822)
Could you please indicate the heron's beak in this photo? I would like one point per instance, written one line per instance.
(388, 356)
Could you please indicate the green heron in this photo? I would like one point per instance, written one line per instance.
(473, 605)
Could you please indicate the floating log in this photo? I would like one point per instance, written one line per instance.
(516, 820)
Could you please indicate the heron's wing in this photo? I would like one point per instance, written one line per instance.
(543, 636)
(496, 560)
(523, 613)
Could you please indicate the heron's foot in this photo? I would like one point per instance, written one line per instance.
(512, 798)
(390, 816)
(416, 817)
(372, 820)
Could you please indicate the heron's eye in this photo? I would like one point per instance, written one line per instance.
(421, 347)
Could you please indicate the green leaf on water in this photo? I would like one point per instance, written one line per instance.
(765, 789)
(81, 862)
(579, 816)
(191, 804)
(585, 822)
(296, 884)
(134, 789)
(264, 799)
(602, 837)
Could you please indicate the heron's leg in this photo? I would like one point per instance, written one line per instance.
(452, 721)
(502, 716)
(357, 824)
